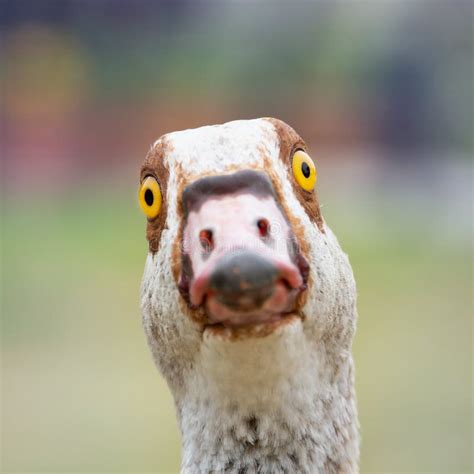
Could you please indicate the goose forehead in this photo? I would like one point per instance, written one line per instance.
(216, 148)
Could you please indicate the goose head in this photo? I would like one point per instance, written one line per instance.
(248, 302)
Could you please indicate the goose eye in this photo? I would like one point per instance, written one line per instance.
(149, 196)
(304, 170)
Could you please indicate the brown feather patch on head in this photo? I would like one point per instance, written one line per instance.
(290, 141)
(155, 166)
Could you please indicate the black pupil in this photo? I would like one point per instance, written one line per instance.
(149, 197)
(305, 169)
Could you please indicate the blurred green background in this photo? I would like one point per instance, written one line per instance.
(382, 92)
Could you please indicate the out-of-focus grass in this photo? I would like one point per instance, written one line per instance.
(79, 389)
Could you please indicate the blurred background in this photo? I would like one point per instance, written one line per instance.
(383, 94)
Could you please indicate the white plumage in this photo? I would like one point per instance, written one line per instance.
(284, 402)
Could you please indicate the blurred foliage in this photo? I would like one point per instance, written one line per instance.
(405, 70)
(43, 76)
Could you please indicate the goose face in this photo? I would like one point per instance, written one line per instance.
(237, 244)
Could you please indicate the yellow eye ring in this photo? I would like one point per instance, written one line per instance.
(304, 170)
(149, 196)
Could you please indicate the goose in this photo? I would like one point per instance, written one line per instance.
(248, 302)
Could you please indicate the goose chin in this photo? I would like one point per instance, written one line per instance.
(230, 331)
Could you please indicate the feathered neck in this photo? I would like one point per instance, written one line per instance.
(278, 403)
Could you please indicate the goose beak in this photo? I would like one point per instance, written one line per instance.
(239, 258)
(245, 288)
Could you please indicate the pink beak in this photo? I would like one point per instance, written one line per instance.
(244, 268)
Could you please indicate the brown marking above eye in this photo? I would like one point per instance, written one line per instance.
(154, 165)
(290, 141)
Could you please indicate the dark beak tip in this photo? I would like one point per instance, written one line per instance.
(243, 275)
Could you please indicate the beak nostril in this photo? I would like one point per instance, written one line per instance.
(263, 227)
(206, 239)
